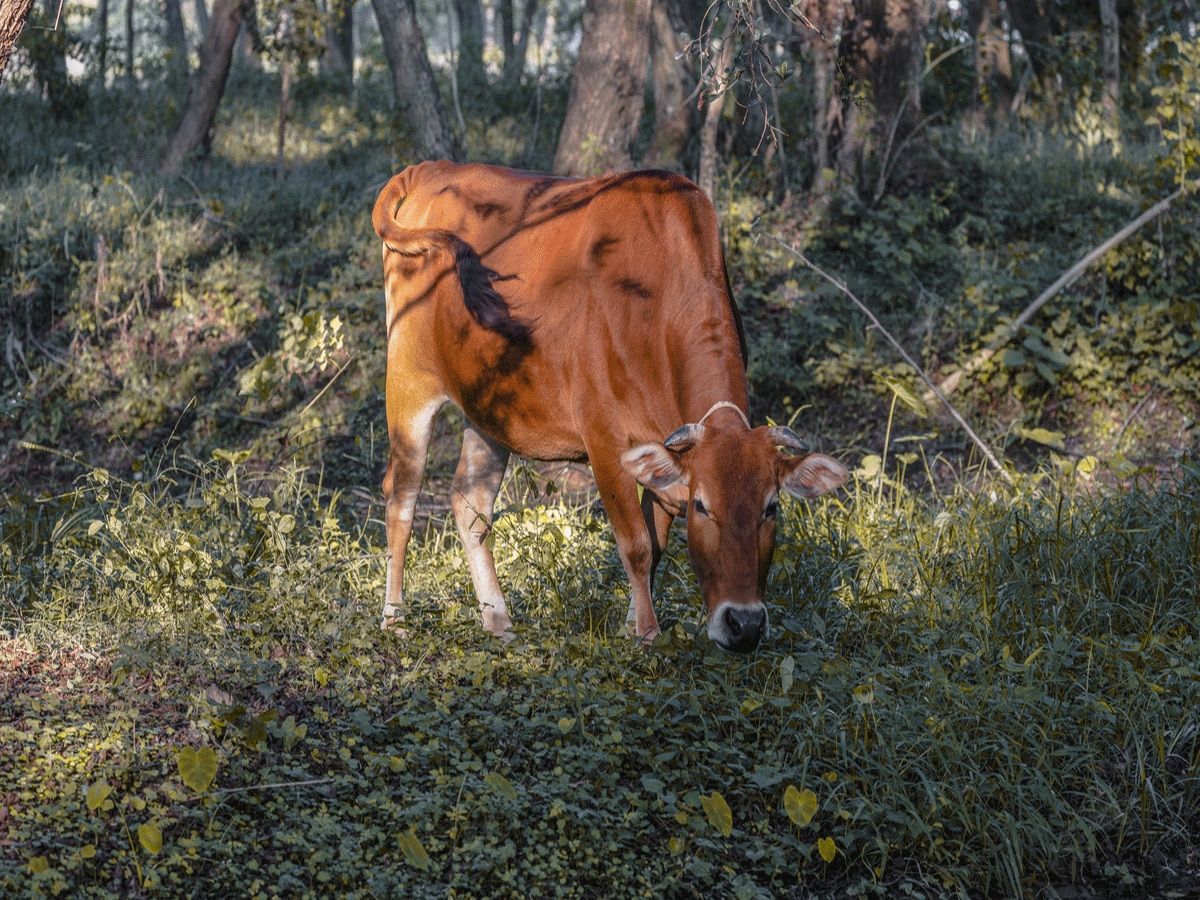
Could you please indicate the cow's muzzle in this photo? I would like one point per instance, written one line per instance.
(738, 628)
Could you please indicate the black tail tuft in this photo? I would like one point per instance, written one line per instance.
(482, 299)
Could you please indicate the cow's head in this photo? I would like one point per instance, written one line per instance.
(728, 483)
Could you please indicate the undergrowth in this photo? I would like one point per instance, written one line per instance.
(974, 693)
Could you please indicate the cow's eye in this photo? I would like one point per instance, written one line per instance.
(699, 507)
(772, 510)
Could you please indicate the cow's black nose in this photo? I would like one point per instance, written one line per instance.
(744, 626)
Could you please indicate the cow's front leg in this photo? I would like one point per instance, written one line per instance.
(408, 436)
(618, 491)
(476, 483)
(658, 526)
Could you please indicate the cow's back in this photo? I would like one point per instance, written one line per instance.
(621, 282)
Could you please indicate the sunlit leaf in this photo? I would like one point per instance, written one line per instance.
(38, 864)
(800, 805)
(905, 395)
(413, 851)
(787, 673)
(197, 768)
(717, 811)
(827, 847)
(97, 793)
(150, 837)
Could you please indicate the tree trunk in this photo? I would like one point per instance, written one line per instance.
(515, 38)
(201, 17)
(338, 60)
(994, 88)
(604, 109)
(101, 42)
(176, 39)
(1110, 57)
(200, 110)
(13, 16)
(130, 75)
(673, 82)
(706, 176)
(884, 51)
(1027, 18)
(469, 72)
(412, 77)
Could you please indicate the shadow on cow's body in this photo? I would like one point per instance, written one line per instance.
(583, 320)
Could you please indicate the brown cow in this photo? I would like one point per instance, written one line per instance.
(586, 320)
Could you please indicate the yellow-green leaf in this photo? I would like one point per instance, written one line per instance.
(905, 395)
(414, 852)
(865, 694)
(87, 851)
(150, 837)
(97, 793)
(827, 847)
(800, 806)
(717, 811)
(500, 785)
(197, 768)
(39, 864)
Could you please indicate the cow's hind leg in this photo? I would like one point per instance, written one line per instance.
(476, 483)
(409, 437)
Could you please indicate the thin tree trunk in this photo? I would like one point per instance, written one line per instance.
(130, 77)
(706, 178)
(102, 41)
(604, 109)
(469, 72)
(13, 16)
(1110, 56)
(412, 77)
(201, 17)
(515, 39)
(176, 39)
(285, 92)
(200, 111)
(338, 60)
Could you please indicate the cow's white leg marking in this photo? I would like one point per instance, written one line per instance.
(409, 443)
(476, 483)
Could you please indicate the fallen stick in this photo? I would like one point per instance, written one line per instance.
(878, 326)
(951, 382)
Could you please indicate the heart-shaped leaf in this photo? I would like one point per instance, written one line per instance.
(197, 768)
(800, 805)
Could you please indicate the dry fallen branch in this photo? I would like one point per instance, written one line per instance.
(878, 326)
(950, 383)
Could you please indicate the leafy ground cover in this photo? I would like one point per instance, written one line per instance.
(986, 694)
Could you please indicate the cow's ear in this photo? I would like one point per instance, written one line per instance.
(812, 475)
(657, 468)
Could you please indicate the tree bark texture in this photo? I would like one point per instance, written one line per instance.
(175, 36)
(412, 77)
(604, 108)
(338, 60)
(204, 96)
(13, 16)
(469, 71)
(1110, 63)
(674, 116)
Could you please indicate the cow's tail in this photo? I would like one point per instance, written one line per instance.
(482, 300)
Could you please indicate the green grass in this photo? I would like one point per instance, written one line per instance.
(984, 692)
